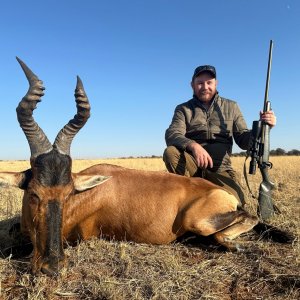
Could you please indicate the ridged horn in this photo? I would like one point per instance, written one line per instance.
(64, 138)
(37, 140)
(31, 77)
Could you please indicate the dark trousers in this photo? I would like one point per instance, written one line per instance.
(183, 163)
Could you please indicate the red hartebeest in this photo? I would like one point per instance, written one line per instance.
(141, 206)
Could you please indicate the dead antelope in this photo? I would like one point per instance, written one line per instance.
(107, 200)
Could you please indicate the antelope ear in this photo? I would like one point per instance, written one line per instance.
(85, 182)
(16, 179)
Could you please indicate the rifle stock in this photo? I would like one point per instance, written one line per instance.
(265, 203)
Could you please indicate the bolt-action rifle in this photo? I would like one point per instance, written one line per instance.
(259, 152)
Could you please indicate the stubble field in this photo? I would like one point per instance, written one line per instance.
(99, 269)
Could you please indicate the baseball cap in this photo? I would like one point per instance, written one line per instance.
(205, 68)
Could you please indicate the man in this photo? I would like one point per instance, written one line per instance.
(201, 134)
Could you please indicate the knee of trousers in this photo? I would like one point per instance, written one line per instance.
(171, 155)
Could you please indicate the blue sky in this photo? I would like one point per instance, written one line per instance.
(136, 59)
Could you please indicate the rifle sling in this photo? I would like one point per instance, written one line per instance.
(246, 179)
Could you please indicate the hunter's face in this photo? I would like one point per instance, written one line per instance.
(204, 86)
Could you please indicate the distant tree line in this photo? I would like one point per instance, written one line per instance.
(276, 152)
(147, 156)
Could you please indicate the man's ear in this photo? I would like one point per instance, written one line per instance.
(85, 182)
(16, 179)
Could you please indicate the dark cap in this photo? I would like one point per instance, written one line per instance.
(205, 68)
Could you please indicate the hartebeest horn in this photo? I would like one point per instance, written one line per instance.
(65, 136)
(37, 140)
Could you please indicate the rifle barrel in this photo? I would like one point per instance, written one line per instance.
(268, 77)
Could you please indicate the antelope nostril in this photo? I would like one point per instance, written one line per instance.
(52, 267)
(50, 270)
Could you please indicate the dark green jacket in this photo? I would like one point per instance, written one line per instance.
(214, 129)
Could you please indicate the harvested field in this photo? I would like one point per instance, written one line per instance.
(100, 269)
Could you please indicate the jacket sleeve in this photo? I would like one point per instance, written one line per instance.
(175, 134)
(241, 133)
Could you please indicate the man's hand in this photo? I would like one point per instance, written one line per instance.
(268, 117)
(201, 156)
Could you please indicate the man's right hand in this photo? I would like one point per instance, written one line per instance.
(203, 159)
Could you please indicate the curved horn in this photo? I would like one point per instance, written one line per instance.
(37, 140)
(65, 136)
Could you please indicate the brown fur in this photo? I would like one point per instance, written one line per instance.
(140, 206)
(148, 207)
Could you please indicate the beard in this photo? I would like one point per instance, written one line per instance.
(205, 96)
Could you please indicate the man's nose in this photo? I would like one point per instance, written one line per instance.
(205, 86)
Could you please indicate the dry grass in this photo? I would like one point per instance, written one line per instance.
(100, 269)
